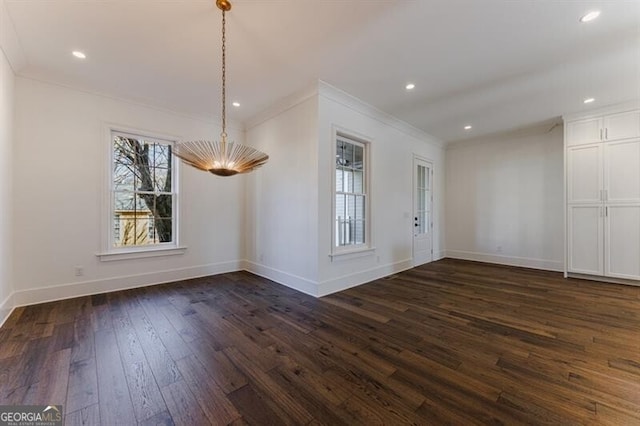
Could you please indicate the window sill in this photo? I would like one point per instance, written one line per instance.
(140, 254)
(352, 254)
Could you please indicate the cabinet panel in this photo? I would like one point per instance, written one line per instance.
(584, 174)
(586, 240)
(624, 125)
(622, 171)
(584, 131)
(623, 242)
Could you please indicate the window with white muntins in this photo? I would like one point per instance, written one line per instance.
(143, 193)
(351, 204)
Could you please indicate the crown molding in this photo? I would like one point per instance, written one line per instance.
(539, 128)
(340, 96)
(282, 105)
(231, 124)
(607, 109)
(9, 41)
(321, 88)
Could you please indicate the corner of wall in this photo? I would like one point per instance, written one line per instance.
(281, 277)
(355, 279)
(6, 308)
(9, 41)
(283, 105)
(7, 107)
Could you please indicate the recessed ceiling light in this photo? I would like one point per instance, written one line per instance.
(589, 100)
(78, 54)
(410, 86)
(236, 104)
(467, 127)
(590, 16)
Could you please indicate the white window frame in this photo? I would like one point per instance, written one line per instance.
(109, 251)
(353, 250)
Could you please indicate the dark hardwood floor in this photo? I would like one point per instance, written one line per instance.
(452, 342)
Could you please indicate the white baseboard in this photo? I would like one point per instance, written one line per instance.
(352, 280)
(439, 255)
(295, 282)
(325, 288)
(86, 288)
(526, 262)
(603, 279)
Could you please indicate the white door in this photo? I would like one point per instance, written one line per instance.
(422, 212)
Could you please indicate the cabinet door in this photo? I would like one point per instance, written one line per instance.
(584, 174)
(584, 131)
(623, 241)
(622, 171)
(586, 239)
(624, 125)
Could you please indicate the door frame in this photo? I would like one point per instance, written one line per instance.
(430, 163)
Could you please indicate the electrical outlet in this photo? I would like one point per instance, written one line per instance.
(261, 257)
(499, 249)
(79, 271)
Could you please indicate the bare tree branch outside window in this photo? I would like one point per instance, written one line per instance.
(143, 193)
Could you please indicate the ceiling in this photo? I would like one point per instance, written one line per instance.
(495, 64)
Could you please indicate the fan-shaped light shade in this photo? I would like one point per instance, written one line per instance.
(221, 158)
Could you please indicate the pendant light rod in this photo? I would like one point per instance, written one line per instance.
(224, 73)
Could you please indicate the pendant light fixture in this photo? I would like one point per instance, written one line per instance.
(221, 158)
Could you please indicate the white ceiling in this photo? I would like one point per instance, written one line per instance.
(497, 64)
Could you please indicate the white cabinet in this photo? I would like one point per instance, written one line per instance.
(610, 127)
(603, 194)
(621, 171)
(586, 242)
(622, 257)
(625, 125)
(584, 131)
(584, 173)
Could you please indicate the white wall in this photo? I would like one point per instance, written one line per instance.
(393, 144)
(6, 144)
(289, 223)
(59, 166)
(504, 198)
(282, 219)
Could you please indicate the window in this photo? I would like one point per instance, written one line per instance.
(143, 193)
(351, 203)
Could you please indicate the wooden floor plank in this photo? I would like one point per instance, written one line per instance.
(115, 401)
(143, 389)
(83, 385)
(88, 416)
(52, 380)
(210, 397)
(183, 407)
